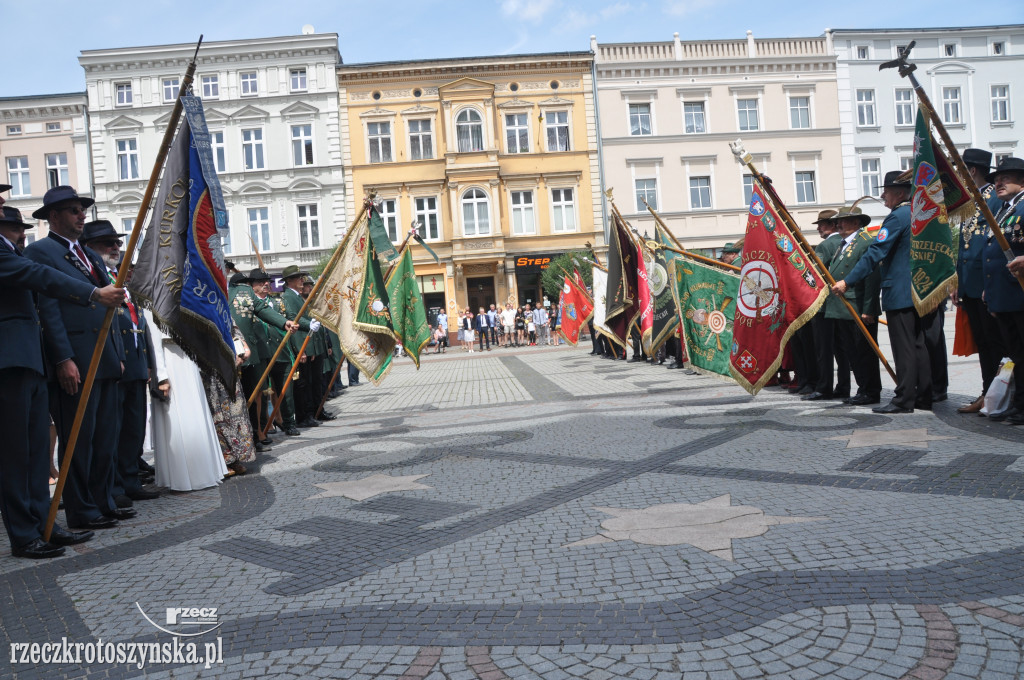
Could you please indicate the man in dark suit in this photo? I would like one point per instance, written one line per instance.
(826, 350)
(70, 333)
(311, 359)
(25, 454)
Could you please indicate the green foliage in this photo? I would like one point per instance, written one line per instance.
(551, 279)
(318, 269)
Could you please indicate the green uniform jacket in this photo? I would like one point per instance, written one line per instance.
(864, 295)
(293, 304)
(331, 362)
(247, 311)
(276, 336)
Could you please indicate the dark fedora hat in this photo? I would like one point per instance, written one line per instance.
(98, 229)
(1010, 164)
(55, 197)
(893, 179)
(853, 212)
(236, 279)
(258, 275)
(4, 187)
(11, 217)
(292, 271)
(978, 157)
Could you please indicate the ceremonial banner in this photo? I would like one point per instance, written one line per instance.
(408, 318)
(645, 310)
(705, 296)
(779, 292)
(353, 304)
(382, 245)
(180, 273)
(665, 320)
(932, 256)
(600, 286)
(576, 310)
(620, 304)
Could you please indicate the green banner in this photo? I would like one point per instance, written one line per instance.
(386, 251)
(408, 317)
(705, 296)
(666, 320)
(932, 254)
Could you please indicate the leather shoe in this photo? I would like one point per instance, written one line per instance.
(309, 422)
(324, 415)
(292, 431)
(863, 400)
(142, 495)
(146, 468)
(1003, 415)
(806, 389)
(262, 448)
(101, 522)
(892, 408)
(923, 405)
(815, 396)
(147, 479)
(939, 396)
(267, 442)
(974, 406)
(120, 513)
(841, 395)
(123, 501)
(61, 536)
(38, 549)
(1015, 419)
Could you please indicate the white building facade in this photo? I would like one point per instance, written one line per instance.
(272, 109)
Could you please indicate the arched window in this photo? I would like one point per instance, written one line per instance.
(469, 128)
(475, 213)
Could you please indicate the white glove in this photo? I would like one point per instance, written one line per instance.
(314, 326)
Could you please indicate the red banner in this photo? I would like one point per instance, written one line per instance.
(576, 310)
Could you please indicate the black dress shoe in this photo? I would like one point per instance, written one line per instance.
(326, 416)
(1015, 419)
(863, 400)
(308, 422)
(844, 396)
(807, 389)
(100, 522)
(142, 495)
(1004, 415)
(267, 442)
(120, 513)
(61, 536)
(37, 549)
(146, 468)
(892, 408)
(292, 431)
(923, 405)
(939, 396)
(123, 501)
(146, 479)
(815, 396)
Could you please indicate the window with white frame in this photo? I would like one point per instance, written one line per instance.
(799, 112)
(220, 156)
(951, 106)
(309, 225)
(252, 149)
(389, 214)
(1000, 157)
(1000, 103)
(127, 158)
(57, 170)
(171, 86)
(904, 98)
(563, 211)
(469, 131)
(421, 145)
(522, 213)
(906, 162)
(379, 139)
(14, 129)
(805, 187)
(866, 108)
(297, 79)
(302, 144)
(870, 177)
(700, 192)
(248, 83)
(949, 50)
(646, 190)
(123, 94)
(17, 176)
(748, 188)
(517, 133)
(225, 239)
(556, 125)
(259, 227)
(747, 111)
(693, 118)
(476, 217)
(640, 119)
(53, 127)
(427, 218)
(211, 86)
(861, 52)
(127, 224)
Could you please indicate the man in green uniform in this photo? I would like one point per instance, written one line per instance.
(310, 358)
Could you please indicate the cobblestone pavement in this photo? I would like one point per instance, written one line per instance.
(543, 513)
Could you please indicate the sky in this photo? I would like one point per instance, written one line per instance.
(44, 39)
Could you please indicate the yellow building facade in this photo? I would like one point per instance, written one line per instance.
(495, 159)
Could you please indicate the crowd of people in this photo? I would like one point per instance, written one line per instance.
(524, 326)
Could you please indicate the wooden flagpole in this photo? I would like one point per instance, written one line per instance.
(122, 274)
(680, 249)
(287, 382)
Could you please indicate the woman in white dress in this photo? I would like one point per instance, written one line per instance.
(185, 445)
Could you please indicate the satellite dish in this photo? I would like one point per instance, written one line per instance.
(308, 29)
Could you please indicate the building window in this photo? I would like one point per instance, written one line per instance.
(127, 225)
(297, 79)
(700, 192)
(805, 187)
(379, 135)
(124, 94)
(799, 112)
(949, 50)
(309, 226)
(53, 127)
(469, 130)
(998, 48)
(563, 211)
(14, 129)
(906, 162)
(1000, 157)
(861, 52)
(522, 213)
(748, 188)
(250, 86)
(252, 149)
(420, 141)
(866, 108)
(1000, 103)
(427, 219)
(693, 118)
(302, 144)
(517, 133)
(171, 86)
(57, 170)
(259, 227)
(951, 105)
(220, 158)
(211, 87)
(870, 177)
(904, 106)
(556, 123)
(475, 213)
(747, 109)
(225, 239)
(389, 213)
(17, 176)
(127, 159)
(646, 190)
(639, 119)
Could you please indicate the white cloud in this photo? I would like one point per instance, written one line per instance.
(527, 10)
(683, 7)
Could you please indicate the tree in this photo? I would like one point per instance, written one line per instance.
(552, 278)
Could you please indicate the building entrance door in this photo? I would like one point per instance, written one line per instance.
(480, 292)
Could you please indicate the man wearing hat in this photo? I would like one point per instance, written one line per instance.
(891, 251)
(826, 351)
(855, 239)
(731, 254)
(1004, 297)
(307, 392)
(25, 455)
(974, 234)
(130, 323)
(71, 333)
(283, 364)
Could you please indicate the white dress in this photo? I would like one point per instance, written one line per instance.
(185, 446)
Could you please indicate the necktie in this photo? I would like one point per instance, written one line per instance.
(81, 256)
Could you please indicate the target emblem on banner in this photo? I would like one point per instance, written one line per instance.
(717, 321)
(759, 289)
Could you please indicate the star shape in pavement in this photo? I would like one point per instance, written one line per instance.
(710, 525)
(916, 438)
(368, 487)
